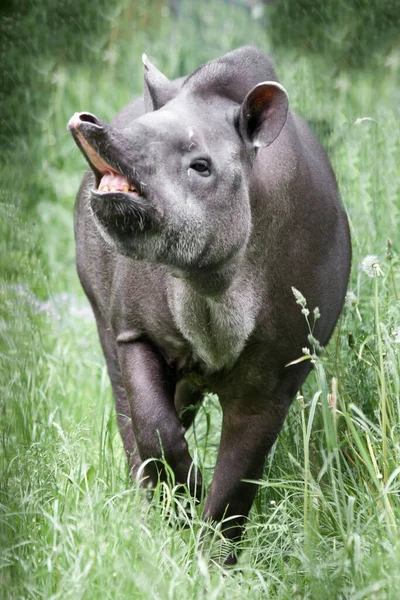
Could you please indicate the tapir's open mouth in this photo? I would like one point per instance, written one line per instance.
(110, 181)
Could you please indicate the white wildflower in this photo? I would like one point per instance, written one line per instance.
(257, 11)
(371, 267)
(393, 60)
(60, 77)
(314, 342)
(299, 297)
(342, 83)
(306, 351)
(351, 299)
(111, 55)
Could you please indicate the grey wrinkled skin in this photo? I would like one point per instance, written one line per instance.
(190, 281)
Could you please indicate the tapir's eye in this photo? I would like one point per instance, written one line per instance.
(202, 166)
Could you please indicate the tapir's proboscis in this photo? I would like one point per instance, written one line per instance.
(206, 202)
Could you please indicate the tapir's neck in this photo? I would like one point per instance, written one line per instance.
(212, 282)
(216, 326)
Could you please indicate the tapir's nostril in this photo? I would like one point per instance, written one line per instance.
(89, 118)
(83, 117)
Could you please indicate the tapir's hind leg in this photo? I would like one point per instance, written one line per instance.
(252, 419)
(122, 405)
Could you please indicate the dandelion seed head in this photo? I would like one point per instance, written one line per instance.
(351, 299)
(371, 267)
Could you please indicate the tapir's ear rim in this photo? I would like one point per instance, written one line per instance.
(263, 114)
(158, 89)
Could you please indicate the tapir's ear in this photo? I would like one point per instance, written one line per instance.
(157, 88)
(263, 113)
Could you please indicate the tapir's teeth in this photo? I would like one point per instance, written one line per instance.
(125, 188)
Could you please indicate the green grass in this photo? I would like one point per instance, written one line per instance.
(325, 523)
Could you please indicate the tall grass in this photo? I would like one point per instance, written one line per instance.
(325, 520)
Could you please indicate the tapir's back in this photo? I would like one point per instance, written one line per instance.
(305, 238)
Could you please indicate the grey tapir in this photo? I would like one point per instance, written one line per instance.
(205, 203)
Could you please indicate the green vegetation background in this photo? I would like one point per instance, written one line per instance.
(326, 519)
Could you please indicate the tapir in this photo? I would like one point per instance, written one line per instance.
(206, 202)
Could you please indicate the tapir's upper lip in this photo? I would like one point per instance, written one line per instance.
(88, 135)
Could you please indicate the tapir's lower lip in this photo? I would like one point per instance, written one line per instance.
(116, 195)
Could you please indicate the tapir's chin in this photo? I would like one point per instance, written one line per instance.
(120, 215)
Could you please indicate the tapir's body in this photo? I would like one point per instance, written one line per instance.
(191, 280)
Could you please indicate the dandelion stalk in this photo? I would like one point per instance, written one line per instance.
(306, 467)
(393, 282)
(389, 256)
(384, 422)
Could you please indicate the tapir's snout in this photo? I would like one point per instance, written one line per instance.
(109, 153)
(91, 134)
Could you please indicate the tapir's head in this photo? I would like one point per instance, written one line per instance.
(171, 187)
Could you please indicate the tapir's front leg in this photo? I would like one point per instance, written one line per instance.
(246, 439)
(158, 432)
